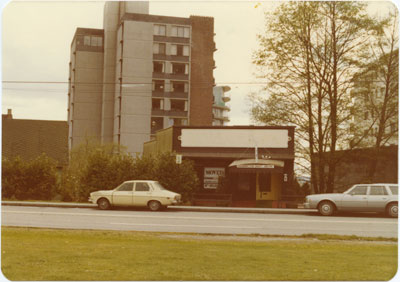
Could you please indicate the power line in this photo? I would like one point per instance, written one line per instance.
(117, 83)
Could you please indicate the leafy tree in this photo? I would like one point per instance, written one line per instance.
(180, 178)
(309, 55)
(29, 180)
(92, 167)
(95, 167)
(376, 89)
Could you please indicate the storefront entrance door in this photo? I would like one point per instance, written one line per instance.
(268, 186)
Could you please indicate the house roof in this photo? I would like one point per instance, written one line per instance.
(29, 139)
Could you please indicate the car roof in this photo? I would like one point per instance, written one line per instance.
(376, 184)
(140, 181)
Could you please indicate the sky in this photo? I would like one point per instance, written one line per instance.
(36, 38)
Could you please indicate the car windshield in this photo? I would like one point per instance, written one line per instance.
(158, 186)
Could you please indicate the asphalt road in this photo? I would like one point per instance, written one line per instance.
(198, 222)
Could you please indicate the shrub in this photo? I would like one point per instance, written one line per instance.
(179, 178)
(95, 167)
(29, 180)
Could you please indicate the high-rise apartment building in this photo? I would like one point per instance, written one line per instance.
(139, 74)
(374, 109)
(220, 106)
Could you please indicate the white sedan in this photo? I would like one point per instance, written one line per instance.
(359, 198)
(138, 193)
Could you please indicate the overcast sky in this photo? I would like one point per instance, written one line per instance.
(36, 38)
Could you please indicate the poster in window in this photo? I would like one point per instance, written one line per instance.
(212, 176)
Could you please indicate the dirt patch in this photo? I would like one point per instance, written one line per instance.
(255, 238)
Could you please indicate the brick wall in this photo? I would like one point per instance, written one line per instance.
(202, 65)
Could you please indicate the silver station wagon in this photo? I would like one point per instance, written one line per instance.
(359, 198)
(138, 193)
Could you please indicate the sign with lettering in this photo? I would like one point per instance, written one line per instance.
(256, 166)
(212, 176)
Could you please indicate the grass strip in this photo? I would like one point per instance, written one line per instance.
(48, 254)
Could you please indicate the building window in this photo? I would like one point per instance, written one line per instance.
(159, 48)
(159, 29)
(179, 87)
(178, 121)
(158, 67)
(156, 124)
(157, 104)
(86, 40)
(95, 41)
(178, 68)
(180, 31)
(158, 85)
(178, 105)
(179, 50)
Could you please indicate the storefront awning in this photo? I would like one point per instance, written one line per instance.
(253, 165)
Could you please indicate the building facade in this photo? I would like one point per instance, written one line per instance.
(220, 106)
(375, 107)
(139, 74)
(243, 166)
(28, 139)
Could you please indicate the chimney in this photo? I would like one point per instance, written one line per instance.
(8, 115)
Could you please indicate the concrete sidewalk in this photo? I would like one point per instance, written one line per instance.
(171, 208)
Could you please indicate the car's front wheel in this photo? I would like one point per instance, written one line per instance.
(103, 204)
(154, 205)
(392, 210)
(326, 208)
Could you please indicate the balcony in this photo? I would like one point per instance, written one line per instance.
(171, 39)
(178, 76)
(161, 94)
(226, 97)
(222, 107)
(163, 57)
(223, 118)
(170, 113)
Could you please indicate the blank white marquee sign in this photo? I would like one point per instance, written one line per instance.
(235, 138)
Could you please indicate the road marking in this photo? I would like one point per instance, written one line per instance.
(182, 225)
(327, 220)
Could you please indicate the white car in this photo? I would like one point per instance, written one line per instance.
(359, 198)
(138, 193)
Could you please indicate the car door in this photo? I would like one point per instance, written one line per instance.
(123, 195)
(142, 194)
(356, 199)
(377, 198)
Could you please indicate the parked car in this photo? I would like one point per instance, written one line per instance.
(138, 193)
(359, 198)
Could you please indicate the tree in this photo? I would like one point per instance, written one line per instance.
(180, 178)
(376, 89)
(309, 55)
(92, 167)
(95, 167)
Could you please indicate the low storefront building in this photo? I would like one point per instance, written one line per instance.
(243, 166)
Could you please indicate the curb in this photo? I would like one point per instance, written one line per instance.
(171, 208)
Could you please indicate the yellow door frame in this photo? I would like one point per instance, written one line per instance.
(276, 187)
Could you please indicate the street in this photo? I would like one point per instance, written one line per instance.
(198, 222)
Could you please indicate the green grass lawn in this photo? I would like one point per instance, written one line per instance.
(43, 254)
